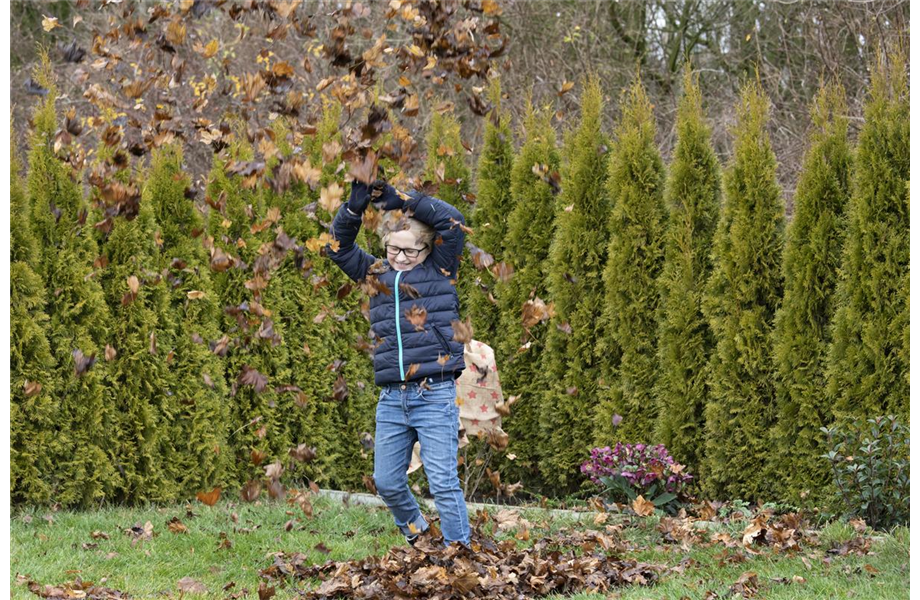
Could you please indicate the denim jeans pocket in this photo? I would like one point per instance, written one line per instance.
(442, 391)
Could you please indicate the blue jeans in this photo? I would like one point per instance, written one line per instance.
(406, 413)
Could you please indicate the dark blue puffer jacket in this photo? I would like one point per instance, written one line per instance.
(401, 345)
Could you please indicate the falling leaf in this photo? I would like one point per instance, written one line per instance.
(49, 23)
(176, 526)
(330, 197)
(251, 490)
(140, 533)
(31, 388)
(250, 376)
(463, 331)
(274, 470)
(417, 315)
(209, 498)
(366, 169)
(82, 363)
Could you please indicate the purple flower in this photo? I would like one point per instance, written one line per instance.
(639, 465)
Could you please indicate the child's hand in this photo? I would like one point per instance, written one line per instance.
(360, 197)
(385, 197)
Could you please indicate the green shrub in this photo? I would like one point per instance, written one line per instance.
(869, 459)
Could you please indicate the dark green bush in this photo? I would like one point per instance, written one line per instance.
(871, 474)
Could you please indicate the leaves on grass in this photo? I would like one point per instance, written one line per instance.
(76, 589)
(489, 569)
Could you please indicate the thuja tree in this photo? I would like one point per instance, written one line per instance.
(905, 319)
(349, 400)
(811, 258)
(493, 205)
(867, 367)
(740, 302)
(637, 221)
(578, 254)
(346, 422)
(141, 387)
(320, 326)
(34, 418)
(529, 234)
(255, 358)
(692, 196)
(78, 316)
(445, 164)
(199, 384)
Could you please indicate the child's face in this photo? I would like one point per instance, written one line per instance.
(399, 247)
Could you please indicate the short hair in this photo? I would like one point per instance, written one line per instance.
(424, 233)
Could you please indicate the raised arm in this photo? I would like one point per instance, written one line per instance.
(350, 258)
(445, 219)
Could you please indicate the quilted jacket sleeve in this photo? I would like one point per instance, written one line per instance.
(350, 258)
(446, 221)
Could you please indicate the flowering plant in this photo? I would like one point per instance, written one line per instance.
(627, 471)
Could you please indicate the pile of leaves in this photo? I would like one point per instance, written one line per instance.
(488, 569)
(75, 589)
(790, 532)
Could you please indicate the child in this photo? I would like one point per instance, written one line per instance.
(415, 361)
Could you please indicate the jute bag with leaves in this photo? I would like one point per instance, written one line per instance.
(478, 391)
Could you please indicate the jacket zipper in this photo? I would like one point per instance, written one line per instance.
(402, 372)
(440, 335)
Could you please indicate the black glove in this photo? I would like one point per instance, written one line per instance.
(360, 197)
(388, 198)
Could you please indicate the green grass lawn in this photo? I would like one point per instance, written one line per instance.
(231, 541)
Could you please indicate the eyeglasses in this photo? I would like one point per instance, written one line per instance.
(409, 252)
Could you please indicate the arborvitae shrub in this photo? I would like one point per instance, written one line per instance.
(34, 417)
(140, 386)
(634, 257)
(78, 316)
(692, 196)
(578, 254)
(445, 164)
(530, 229)
(199, 383)
(811, 258)
(493, 205)
(867, 367)
(741, 300)
(257, 359)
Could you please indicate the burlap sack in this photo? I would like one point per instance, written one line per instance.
(478, 391)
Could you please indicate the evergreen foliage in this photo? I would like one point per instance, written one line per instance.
(868, 362)
(34, 414)
(578, 254)
(529, 234)
(78, 316)
(492, 214)
(740, 302)
(811, 258)
(635, 185)
(445, 164)
(685, 342)
(198, 378)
